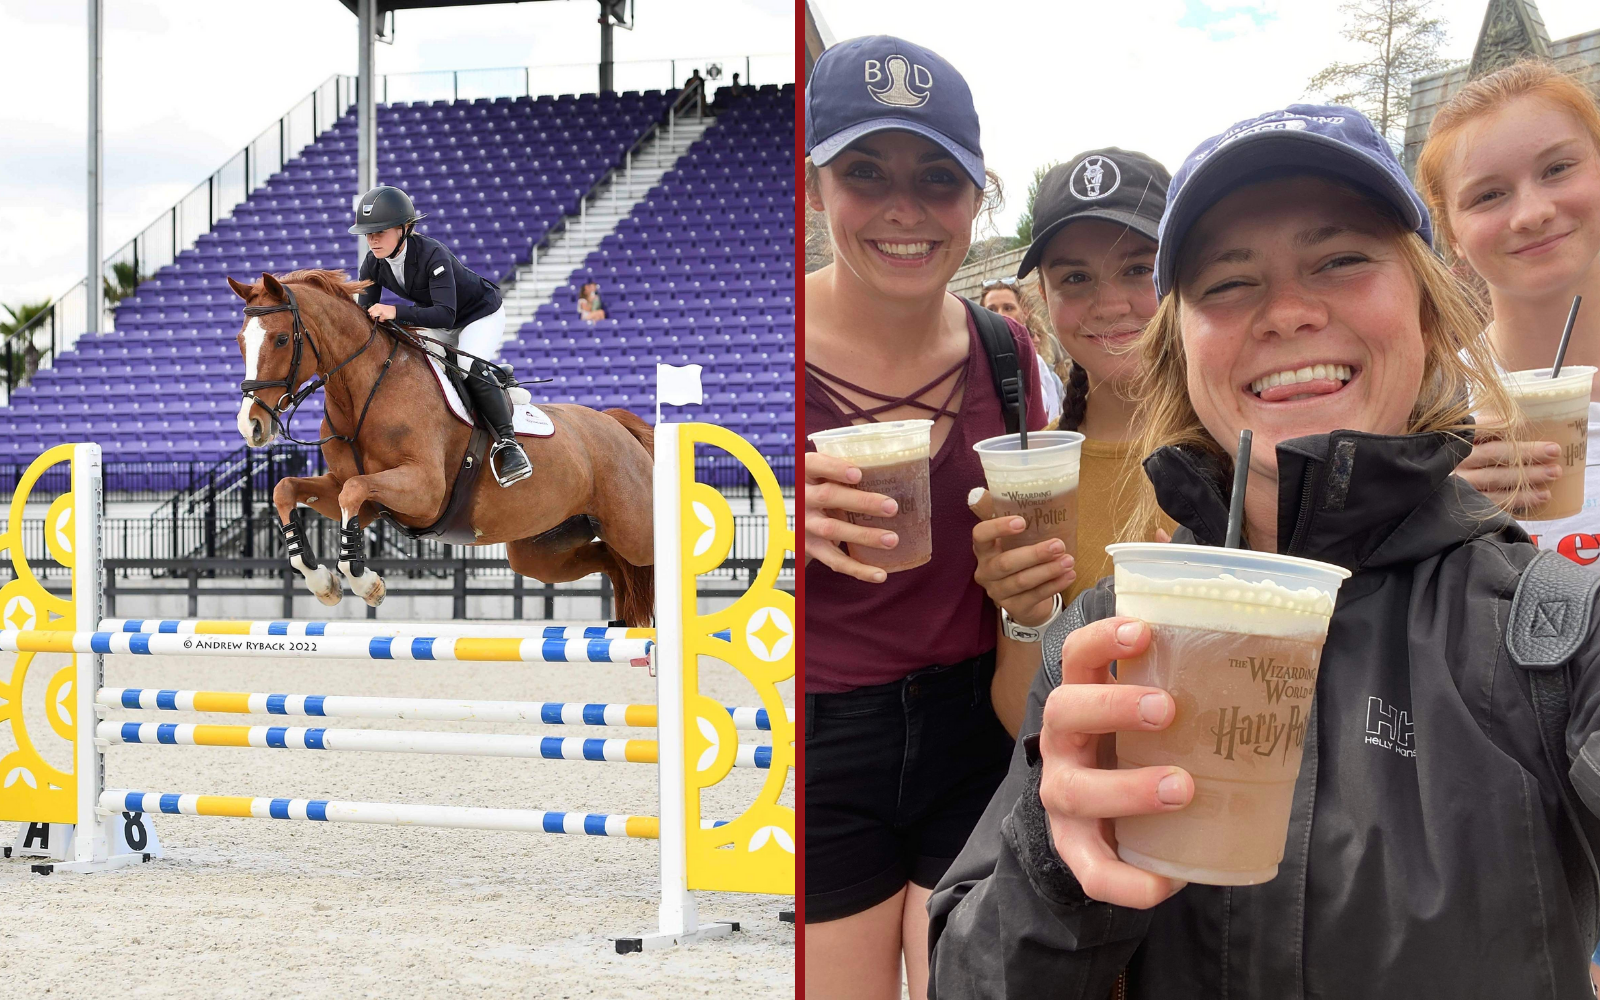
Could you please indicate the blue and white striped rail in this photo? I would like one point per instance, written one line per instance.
(550, 713)
(392, 741)
(502, 630)
(503, 650)
(380, 813)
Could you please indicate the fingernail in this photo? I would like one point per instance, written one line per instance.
(879, 576)
(889, 539)
(1552, 450)
(1017, 524)
(1128, 633)
(1065, 562)
(889, 507)
(1056, 547)
(1153, 709)
(852, 475)
(1542, 495)
(1171, 791)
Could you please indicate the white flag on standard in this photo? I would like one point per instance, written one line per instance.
(678, 386)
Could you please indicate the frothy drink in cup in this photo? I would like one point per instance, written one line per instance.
(1556, 409)
(893, 459)
(1039, 484)
(1236, 638)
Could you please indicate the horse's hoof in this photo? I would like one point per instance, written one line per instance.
(330, 597)
(375, 595)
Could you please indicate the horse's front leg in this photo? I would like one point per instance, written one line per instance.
(406, 489)
(321, 494)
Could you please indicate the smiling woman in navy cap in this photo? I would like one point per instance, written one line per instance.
(903, 748)
(1437, 833)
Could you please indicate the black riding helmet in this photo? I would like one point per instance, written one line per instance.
(383, 207)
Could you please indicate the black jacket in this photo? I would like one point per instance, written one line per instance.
(1426, 845)
(447, 295)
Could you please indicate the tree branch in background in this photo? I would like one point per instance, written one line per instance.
(1025, 223)
(1400, 40)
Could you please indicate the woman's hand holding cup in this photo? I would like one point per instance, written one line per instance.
(829, 491)
(1081, 788)
(1491, 470)
(1025, 580)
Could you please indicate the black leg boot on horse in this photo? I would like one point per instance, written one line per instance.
(507, 460)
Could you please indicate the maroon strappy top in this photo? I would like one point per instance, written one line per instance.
(859, 634)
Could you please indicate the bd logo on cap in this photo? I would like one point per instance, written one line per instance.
(899, 92)
(1095, 178)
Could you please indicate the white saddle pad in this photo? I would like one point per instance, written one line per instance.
(527, 418)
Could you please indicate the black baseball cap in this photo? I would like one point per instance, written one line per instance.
(1113, 185)
(879, 83)
(1324, 138)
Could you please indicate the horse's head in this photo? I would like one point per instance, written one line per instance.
(267, 343)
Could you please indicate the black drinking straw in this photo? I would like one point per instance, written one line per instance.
(1241, 469)
(1022, 411)
(1566, 335)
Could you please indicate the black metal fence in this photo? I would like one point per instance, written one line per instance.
(209, 482)
(145, 558)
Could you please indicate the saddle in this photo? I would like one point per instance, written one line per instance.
(454, 525)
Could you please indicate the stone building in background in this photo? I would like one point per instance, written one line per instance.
(1511, 30)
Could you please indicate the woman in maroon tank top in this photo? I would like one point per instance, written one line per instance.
(903, 747)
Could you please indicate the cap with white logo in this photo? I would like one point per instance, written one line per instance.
(1112, 185)
(1320, 138)
(880, 83)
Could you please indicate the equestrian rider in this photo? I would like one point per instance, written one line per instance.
(450, 302)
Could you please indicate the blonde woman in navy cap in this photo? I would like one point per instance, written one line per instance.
(903, 747)
(1440, 837)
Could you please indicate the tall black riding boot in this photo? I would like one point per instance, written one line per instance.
(507, 460)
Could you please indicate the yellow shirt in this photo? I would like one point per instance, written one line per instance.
(1103, 502)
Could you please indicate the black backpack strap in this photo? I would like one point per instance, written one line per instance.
(1549, 619)
(995, 335)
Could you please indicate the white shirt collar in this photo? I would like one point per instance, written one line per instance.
(397, 263)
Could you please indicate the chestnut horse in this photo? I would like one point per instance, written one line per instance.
(587, 508)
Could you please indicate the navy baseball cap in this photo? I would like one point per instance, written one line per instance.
(879, 83)
(1325, 138)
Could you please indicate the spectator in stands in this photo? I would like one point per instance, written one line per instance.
(589, 306)
(696, 85)
(451, 303)
(1005, 296)
(903, 746)
(728, 96)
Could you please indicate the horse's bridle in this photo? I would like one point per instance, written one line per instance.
(292, 398)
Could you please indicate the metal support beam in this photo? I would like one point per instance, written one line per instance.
(606, 59)
(94, 285)
(366, 100)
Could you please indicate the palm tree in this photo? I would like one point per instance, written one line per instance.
(19, 373)
(123, 282)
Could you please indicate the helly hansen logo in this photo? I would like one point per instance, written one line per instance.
(1389, 726)
(438, 270)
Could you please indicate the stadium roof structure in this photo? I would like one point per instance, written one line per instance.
(370, 15)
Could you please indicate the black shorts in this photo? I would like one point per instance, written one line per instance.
(897, 776)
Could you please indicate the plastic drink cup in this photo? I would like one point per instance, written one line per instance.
(1039, 485)
(893, 459)
(1236, 638)
(1557, 409)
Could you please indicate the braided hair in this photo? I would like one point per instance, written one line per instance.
(1076, 406)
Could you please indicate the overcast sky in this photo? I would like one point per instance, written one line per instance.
(189, 82)
(1061, 76)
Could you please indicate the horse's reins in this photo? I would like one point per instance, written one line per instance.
(289, 403)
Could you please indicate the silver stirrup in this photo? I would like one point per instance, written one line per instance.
(494, 467)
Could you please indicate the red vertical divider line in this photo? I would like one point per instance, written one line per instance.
(799, 494)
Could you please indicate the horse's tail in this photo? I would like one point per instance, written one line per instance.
(637, 427)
